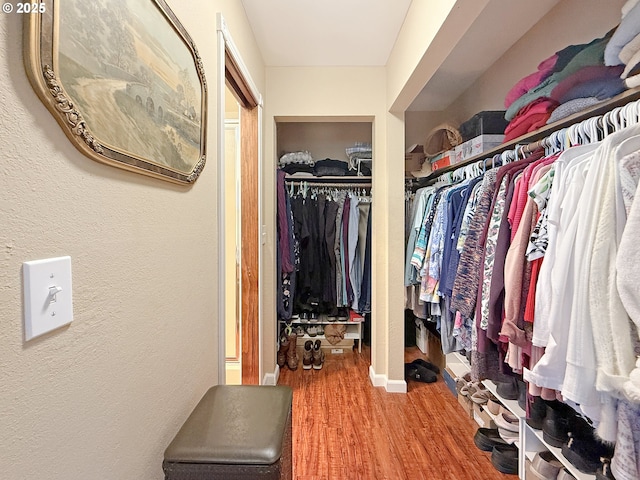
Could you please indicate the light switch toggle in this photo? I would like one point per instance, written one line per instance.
(48, 295)
(53, 291)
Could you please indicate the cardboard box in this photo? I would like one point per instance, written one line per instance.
(466, 404)
(482, 417)
(414, 158)
(413, 161)
(450, 379)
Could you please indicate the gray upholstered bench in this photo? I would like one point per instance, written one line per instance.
(235, 432)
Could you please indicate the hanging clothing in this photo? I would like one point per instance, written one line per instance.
(329, 232)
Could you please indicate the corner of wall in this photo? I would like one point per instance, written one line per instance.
(391, 386)
(271, 378)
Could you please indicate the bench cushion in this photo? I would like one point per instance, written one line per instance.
(234, 424)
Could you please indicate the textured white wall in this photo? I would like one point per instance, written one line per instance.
(102, 398)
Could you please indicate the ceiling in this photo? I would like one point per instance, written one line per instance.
(292, 33)
(296, 33)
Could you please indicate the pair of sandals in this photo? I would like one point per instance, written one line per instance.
(474, 391)
(421, 371)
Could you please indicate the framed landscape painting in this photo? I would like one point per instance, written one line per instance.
(124, 80)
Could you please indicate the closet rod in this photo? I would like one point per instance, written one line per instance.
(533, 140)
(334, 184)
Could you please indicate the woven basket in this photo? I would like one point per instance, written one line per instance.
(442, 138)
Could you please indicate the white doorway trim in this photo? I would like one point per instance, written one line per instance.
(226, 46)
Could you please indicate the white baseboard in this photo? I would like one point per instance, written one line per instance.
(376, 380)
(396, 386)
(271, 378)
(391, 386)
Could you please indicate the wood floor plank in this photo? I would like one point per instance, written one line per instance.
(344, 428)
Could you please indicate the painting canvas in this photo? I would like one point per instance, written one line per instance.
(133, 74)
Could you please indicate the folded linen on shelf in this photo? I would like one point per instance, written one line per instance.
(303, 157)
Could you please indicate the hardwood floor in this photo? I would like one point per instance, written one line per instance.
(344, 428)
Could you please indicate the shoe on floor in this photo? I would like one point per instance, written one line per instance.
(292, 354)
(426, 364)
(282, 351)
(307, 355)
(419, 373)
(318, 355)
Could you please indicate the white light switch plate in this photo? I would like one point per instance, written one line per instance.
(48, 301)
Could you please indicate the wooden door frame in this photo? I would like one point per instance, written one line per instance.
(233, 72)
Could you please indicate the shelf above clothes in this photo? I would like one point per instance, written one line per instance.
(531, 140)
(331, 181)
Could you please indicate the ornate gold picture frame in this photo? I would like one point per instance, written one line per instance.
(125, 82)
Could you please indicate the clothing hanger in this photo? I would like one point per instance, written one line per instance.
(573, 135)
(509, 156)
(545, 143)
(554, 143)
(607, 126)
(496, 161)
(473, 171)
(617, 119)
(630, 114)
(584, 132)
(593, 129)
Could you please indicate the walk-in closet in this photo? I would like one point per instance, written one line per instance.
(520, 258)
(324, 212)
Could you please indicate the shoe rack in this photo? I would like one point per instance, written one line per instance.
(354, 331)
(530, 440)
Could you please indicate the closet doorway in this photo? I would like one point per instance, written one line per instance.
(240, 219)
